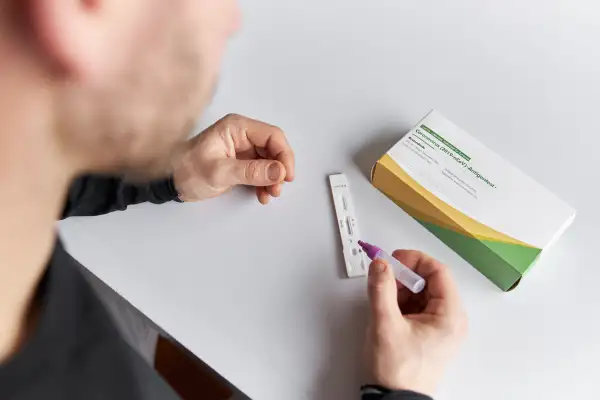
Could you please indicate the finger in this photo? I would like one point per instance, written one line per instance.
(382, 293)
(289, 162)
(247, 133)
(409, 302)
(262, 196)
(274, 190)
(251, 154)
(404, 295)
(441, 290)
(252, 172)
(265, 154)
(262, 152)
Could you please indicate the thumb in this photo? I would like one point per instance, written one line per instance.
(256, 172)
(383, 292)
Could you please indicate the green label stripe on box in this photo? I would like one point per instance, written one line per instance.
(447, 143)
(518, 256)
(478, 255)
(489, 257)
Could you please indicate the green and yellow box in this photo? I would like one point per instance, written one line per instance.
(488, 211)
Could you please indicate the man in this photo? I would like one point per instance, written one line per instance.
(112, 88)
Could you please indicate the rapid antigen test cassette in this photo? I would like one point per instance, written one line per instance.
(354, 257)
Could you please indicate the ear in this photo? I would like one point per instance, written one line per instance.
(72, 35)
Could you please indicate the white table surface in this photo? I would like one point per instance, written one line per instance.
(259, 293)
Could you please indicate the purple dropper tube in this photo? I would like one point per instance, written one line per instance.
(403, 274)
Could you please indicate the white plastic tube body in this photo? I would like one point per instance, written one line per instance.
(404, 275)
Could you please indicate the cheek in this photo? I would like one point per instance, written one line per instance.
(213, 22)
(224, 14)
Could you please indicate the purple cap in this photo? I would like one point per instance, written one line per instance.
(370, 249)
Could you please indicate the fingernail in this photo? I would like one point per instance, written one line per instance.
(377, 267)
(273, 172)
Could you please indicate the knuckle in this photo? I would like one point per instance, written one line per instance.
(398, 252)
(231, 120)
(232, 117)
(252, 170)
(408, 253)
(376, 286)
(423, 256)
(278, 131)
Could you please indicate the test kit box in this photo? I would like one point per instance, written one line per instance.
(488, 211)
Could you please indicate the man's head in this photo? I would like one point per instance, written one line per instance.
(126, 78)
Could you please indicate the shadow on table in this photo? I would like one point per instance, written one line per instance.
(379, 142)
(342, 371)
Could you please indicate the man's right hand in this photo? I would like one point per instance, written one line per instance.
(236, 150)
(411, 338)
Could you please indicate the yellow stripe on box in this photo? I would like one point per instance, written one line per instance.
(424, 205)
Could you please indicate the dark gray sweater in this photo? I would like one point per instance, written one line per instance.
(75, 351)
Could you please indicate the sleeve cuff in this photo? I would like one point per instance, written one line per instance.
(165, 190)
(375, 392)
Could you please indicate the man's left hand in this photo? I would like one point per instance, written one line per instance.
(235, 151)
